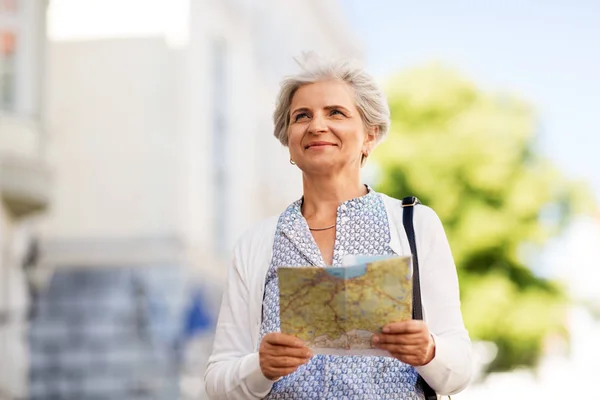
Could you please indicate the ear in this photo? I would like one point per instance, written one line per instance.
(370, 140)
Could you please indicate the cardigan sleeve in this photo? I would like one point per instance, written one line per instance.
(233, 370)
(451, 368)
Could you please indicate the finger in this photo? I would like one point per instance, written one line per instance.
(287, 362)
(400, 338)
(404, 350)
(412, 326)
(281, 339)
(282, 351)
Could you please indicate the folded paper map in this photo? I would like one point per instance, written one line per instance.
(336, 310)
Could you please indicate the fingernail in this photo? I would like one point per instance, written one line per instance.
(375, 339)
(386, 329)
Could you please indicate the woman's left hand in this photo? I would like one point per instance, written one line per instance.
(407, 341)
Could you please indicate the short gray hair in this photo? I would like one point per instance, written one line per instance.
(369, 98)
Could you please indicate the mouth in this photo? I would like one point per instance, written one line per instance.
(318, 145)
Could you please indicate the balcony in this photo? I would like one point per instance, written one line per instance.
(24, 177)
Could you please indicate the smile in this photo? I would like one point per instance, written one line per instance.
(319, 144)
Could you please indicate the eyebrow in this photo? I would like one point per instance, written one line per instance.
(332, 107)
(302, 109)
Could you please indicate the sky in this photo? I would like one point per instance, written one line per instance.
(95, 19)
(547, 52)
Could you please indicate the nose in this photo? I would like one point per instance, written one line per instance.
(317, 124)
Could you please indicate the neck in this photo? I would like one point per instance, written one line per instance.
(324, 194)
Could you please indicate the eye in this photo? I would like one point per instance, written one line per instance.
(336, 112)
(300, 116)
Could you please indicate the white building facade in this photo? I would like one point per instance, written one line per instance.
(24, 178)
(160, 137)
(167, 144)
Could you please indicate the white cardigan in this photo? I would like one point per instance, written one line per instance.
(233, 370)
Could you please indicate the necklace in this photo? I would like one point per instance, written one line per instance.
(322, 229)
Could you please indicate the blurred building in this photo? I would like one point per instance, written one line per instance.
(158, 119)
(24, 176)
(162, 139)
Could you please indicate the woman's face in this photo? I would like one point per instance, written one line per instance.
(326, 132)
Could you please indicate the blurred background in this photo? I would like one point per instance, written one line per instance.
(136, 146)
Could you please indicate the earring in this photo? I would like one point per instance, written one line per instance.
(292, 162)
(364, 157)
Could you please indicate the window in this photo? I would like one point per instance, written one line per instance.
(8, 47)
(8, 6)
(7, 70)
(22, 40)
(220, 136)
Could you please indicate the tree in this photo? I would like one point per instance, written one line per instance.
(472, 157)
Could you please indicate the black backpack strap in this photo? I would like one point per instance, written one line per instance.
(408, 204)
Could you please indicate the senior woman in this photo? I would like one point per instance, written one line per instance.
(331, 116)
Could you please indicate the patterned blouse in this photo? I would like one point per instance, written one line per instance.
(362, 229)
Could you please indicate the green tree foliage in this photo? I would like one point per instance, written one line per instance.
(472, 157)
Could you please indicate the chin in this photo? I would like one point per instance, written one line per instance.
(318, 167)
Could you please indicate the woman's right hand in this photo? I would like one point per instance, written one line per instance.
(281, 354)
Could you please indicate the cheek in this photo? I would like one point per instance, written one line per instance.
(294, 139)
(352, 137)
(292, 136)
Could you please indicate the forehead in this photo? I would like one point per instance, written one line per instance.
(322, 94)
